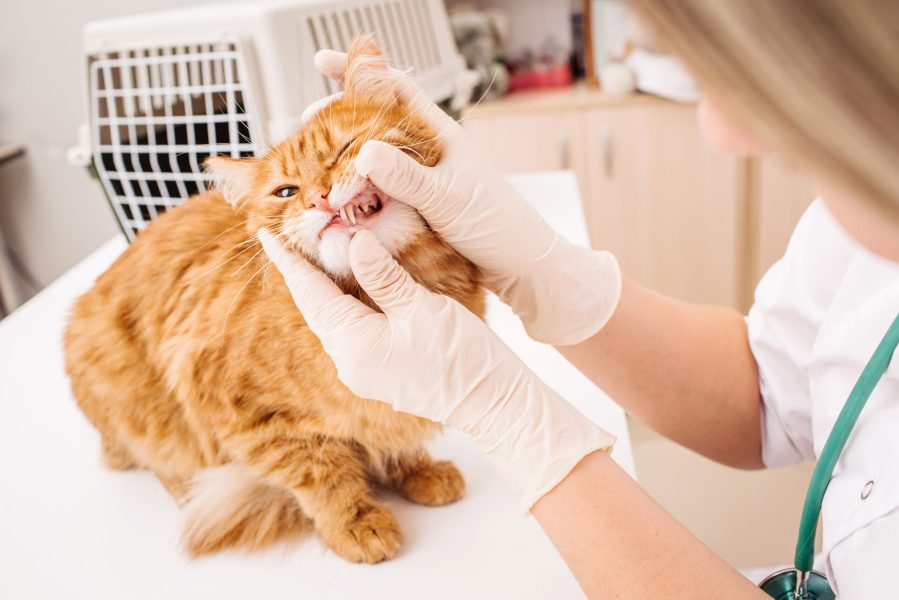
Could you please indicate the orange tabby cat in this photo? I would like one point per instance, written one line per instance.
(190, 358)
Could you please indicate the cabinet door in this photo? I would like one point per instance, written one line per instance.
(663, 202)
(519, 142)
(781, 196)
(532, 141)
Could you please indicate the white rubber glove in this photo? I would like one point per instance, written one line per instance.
(429, 356)
(563, 293)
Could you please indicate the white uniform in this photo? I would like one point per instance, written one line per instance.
(819, 314)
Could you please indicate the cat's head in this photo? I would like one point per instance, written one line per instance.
(306, 189)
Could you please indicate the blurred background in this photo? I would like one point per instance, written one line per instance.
(559, 86)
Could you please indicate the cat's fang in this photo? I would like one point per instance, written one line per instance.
(352, 213)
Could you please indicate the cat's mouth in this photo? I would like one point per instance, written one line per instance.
(360, 209)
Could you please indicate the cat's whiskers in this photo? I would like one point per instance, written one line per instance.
(421, 141)
(483, 95)
(223, 233)
(382, 111)
(266, 140)
(250, 242)
(416, 152)
(446, 129)
(236, 296)
(252, 258)
(224, 262)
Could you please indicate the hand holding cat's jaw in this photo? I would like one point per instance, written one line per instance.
(383, 279)
(429, 356)
(311, 288)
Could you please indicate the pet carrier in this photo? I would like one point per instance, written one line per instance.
(166, 90)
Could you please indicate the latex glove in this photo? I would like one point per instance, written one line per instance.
(429, 356)
(563, 293)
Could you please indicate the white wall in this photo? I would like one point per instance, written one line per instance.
(51, 213)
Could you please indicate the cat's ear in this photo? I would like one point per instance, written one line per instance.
(233, 176)
(368, 72)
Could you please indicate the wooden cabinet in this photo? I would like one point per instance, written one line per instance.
(780, 196)
(662, 202)
(523, 142)
(539, 142)
(682, 219)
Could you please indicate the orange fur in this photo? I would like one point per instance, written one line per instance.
(190, 358)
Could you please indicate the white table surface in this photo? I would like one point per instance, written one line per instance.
(70, 528)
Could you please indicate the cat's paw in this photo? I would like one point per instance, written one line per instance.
(116, 457)
(433, 484)
(370, 536)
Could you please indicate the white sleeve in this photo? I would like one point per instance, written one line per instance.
(791, 301)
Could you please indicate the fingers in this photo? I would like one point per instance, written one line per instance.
(397, 174)
(330, 63)
(383, 279)
(323, 304)
(316, 107)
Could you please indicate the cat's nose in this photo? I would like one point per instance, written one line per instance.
(318, 198)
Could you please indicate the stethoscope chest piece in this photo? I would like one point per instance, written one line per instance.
(782, 586)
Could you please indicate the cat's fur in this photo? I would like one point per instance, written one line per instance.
(191, 359)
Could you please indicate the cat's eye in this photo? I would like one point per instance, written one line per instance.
(286, 191)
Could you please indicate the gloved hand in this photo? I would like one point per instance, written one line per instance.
(429, 356)
(563, 293)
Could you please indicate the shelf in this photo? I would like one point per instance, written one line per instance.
(574, 97)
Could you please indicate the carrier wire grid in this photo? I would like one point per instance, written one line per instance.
(161, 98)
(156, 117)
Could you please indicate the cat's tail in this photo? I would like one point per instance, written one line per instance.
(233, 507)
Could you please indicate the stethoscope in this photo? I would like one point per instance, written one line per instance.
(801, 582)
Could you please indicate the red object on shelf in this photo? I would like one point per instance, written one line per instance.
(540, 77)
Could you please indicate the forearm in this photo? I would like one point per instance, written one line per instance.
(619, 543)
(685, 370)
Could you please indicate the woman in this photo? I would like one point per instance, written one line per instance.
(816, 82)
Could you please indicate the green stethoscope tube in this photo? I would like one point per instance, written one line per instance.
(802, 576)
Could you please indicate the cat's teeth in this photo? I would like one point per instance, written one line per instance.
(352, 213)
(342, 213)
(364, 209)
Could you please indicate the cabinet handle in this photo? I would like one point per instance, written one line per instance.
(608, 154)
(564, 150)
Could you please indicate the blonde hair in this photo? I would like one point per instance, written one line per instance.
(816, 79)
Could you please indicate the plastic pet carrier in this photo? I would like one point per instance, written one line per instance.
(166, 90)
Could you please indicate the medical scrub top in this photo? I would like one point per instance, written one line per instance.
(819, 313)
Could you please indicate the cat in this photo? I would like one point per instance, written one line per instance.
(191, 359)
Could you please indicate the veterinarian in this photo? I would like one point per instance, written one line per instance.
(816, 82)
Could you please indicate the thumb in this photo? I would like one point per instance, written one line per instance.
(382, 278)
(330, 63)
(322, 304)
(397, 174)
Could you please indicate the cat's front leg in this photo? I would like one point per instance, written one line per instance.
(424, 480)
(327, 477)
